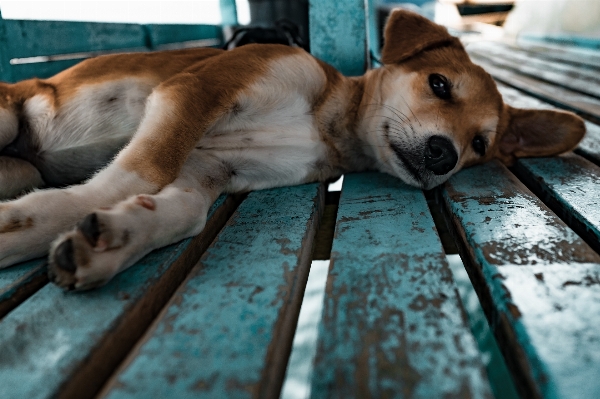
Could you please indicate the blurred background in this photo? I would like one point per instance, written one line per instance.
(496, 19)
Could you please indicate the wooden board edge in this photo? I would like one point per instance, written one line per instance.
(514, 357)
(22, 289)
(91, 375)
(280, 348)
(544, 193)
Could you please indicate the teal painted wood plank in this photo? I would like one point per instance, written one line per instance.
(570, 185)
(41, 70)
(592, 43)
(571, 77)
(229, 328)
(392, 324)
(338, 34)
(37, 38)
(164, 34)
(555, 95)
(5, 70)
(589, 146)
(228, 12)
(19, 281)
(580, 58)
(538, 282)
(567, 54)
(65, 343)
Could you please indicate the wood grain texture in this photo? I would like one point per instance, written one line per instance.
(28, 38)
(392, 324)
(5, 70)
(20, 281)
(338, 34)
(41, 70)
(161, 34)
(570, 185)
(555, 95)
(59, 344)
(228, 330)
(578, 79)
(538, 281)
(566, 54)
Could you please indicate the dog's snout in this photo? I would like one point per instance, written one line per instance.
(440, 155)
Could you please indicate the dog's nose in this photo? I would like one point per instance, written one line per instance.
(440, 155)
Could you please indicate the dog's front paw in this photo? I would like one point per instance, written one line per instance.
(101, 245)
(75, 261)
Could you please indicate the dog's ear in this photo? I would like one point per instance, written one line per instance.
(407, 33)
(538, 133)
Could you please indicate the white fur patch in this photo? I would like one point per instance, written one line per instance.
(272, 140)
(98, 112)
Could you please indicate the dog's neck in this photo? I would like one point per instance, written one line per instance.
(347, 122)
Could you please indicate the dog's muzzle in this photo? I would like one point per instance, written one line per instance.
(440, 155)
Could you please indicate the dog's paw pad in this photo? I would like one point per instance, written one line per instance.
(100, 233)
(90, 229)
(63, 256)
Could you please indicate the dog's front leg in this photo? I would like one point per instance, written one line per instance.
(110, 240)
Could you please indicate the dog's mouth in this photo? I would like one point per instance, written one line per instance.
(427, 165)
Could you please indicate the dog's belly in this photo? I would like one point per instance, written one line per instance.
(279, 147)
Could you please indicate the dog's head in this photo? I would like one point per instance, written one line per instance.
(437, 112)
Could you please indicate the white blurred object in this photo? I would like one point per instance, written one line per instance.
(554, 17)
(447, 14)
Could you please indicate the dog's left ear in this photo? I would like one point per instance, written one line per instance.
(538, 133)
(408, 33)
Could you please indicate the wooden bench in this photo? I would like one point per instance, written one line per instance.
(215, 315)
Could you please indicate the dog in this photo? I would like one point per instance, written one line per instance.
(170, 131)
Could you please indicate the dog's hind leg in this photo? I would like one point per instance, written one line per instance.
(110, 240)
(151, 161)
(17, 177)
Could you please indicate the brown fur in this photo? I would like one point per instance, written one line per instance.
(208, 88)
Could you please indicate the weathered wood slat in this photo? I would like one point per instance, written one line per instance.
(5, 70)
(20, 281)
(589, 146)
(228, 330)
(338, 34)
(567, 55)
(163, 34)
(392, 324)
(538, 282)
(564, 98)
(570, 185)
(573, 41)
(581, 80)
(41, 70)
(38, 38)
(67, 344)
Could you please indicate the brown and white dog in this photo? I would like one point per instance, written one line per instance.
(171, 131)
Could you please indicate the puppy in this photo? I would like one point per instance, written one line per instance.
(171, 131)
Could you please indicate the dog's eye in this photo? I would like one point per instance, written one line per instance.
(479, 145)
(440, 86)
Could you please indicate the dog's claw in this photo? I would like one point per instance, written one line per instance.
(63, 256)
(90, 229)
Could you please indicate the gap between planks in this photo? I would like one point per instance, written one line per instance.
(279, 350)
(497, 322)
(114, 347)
